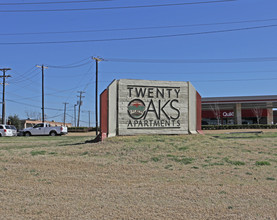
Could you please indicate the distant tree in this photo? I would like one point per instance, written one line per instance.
(14, 120)
(33, 115)
(216, 112)
(258, 112)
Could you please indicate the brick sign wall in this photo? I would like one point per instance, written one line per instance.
(151, 107)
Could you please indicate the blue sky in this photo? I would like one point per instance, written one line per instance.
(23, 94)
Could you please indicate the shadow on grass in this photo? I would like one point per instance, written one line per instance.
(236, 137)
(95, 140)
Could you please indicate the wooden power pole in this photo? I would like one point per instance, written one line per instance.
(97, 60)
(80, 103)
(4, 76)
(64, 115)
(42, 88)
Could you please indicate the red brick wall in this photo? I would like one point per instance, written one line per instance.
(104, 111)
(198, 111)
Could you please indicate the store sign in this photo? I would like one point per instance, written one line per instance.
(228, 114)
(153, 107)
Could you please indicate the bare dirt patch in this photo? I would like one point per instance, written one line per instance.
(147, 177)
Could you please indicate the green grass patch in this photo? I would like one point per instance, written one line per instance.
(169, 167)
(33, 172)
(180, 159)
(155, 159)
(34, 153)
(262, 163)
(183, 148)
(233, 162)
(216, 164)
(84, 153)
(53, 153)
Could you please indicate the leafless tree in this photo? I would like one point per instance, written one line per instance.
(258, 112)
(216, 112)
(33, 115)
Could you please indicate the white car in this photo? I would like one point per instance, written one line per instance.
(14, 130)
(5, 131)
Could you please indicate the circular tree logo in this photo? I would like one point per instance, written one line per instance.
(136, 109)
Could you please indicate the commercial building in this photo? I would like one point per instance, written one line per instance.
(239, 110)
(32, 122)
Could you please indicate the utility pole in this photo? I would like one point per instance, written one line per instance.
(89, 119)
(3, 99)
(42, 99)
(65, 103)
(75, 114)
(97, 60)
(80, 103)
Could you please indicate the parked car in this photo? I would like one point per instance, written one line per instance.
(5, 131)
(14, 130)
(45, 129)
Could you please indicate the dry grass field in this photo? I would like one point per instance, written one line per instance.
(212, 176)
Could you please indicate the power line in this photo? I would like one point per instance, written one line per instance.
(190, 73)
(143, 37)
(22, 103)
(55, 116)
(73, 66)
(22, 77)
(233, 80)
(139, 28)
(119, 7)
(28, 71)
(35, 106)
(73, 117)
(46, 3)
(225, 60)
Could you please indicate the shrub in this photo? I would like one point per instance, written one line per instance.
(81, 129)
